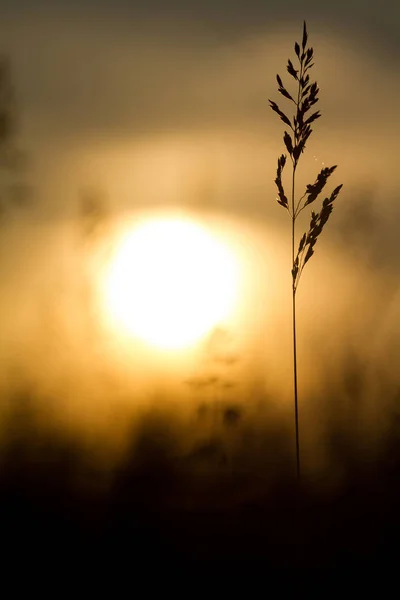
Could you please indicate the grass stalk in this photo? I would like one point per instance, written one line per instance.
(295, 142)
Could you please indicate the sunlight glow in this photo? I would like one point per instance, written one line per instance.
(170, 283)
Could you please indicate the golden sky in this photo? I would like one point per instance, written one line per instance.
(177, 115)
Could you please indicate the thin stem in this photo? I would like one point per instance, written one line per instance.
(299, 208)
(296, 410)
(294, 215)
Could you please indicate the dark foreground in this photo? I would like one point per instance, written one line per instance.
(205, 511)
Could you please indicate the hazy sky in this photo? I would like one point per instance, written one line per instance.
(111, 74)
(166, 102)
(229, 15)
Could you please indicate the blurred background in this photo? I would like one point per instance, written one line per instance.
(112, 111)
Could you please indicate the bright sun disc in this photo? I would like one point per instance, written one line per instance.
(170, 283)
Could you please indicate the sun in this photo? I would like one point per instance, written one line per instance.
(170, 282)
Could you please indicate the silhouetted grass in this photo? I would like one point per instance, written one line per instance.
(295, 142)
